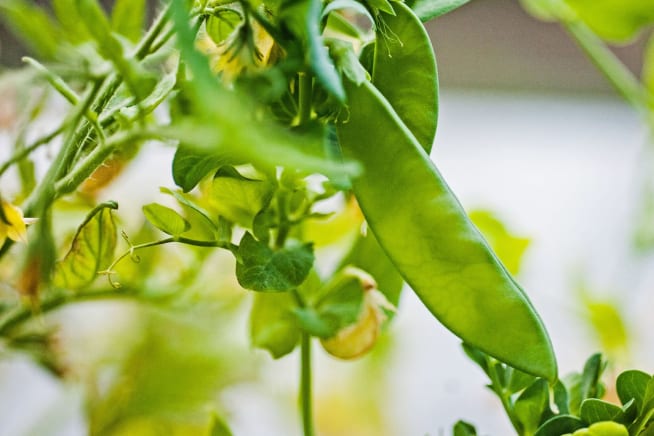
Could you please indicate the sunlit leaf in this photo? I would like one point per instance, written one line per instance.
(92, 250)
(273, 326)
(165, 219)
(429, 9)
(238, 198)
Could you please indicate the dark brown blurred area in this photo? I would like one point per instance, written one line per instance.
(485, 44)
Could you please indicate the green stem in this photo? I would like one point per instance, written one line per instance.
(305, 385)
(611, 67)
(305, 93)
(504, 398)
(25, 151)
(27, 312)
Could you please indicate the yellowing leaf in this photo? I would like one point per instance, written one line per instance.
(92, 249)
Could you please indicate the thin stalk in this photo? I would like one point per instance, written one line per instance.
(305, 385)
(505, 399)
(608, 63)
(27, 312)
(305, 95)
(25, 151)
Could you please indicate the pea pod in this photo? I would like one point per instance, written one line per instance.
(404, 71)
(427, 235)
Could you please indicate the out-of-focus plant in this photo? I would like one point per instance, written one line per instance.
(302, 131)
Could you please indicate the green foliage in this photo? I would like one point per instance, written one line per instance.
(429, 9)
(274, 108)
(259, 268)
(273, 326)
(166, 219)
(91, 251)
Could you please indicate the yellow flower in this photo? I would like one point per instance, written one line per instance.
(12, 223)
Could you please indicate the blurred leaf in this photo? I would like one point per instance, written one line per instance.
(191, 165)
(222, 24)
(218, 427)
(631, 385)
(518, 380)
(165, 219)
(199, 219)
(609, 326)
(346, 61)
(33, 26)
(273, 326)
(429, 9)
(128, 18)
(532, 405)
(71, 21)
(561, 398)
(462, 428)
(259, 268)
(559, 425)
(302, 19)
(615, 20)
(238, 198)
(162, 90)
(338, 305)
(648, 66)
(92, 249)
(111, 48)
(508, 247)
(587, 384)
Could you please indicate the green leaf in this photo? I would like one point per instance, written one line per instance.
(346, 61)
(128, 18)
(381, 5)
(273, 325)
(559, 425)
(191, 165)
(615, 20)
(405, 73)
(477, 356)
(199, 219)
(218, 426)
(239, 198)
(71, 21)
(440, 253)
(462, 428)
(165, 219)
(259, 268)
(561, 398)
(111, 48)
(303, 20)
(338, 305)
(509, 248)
(585, 385)
(632, 385)
(91, 251)
(162, 90)
(518, 380)
(532, 405)
(593, 410)
(32, 25)
(429, 9)
(222, 24)
(350, 6)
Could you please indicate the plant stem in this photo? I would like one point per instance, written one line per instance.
(305, 385)
(611, 67)
(305, 91)
(27, 312)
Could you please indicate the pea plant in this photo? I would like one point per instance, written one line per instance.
(302, 131)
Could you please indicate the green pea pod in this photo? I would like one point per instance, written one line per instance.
(404, 71)
(427, 235)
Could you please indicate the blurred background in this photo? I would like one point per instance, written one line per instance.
(531, 135)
